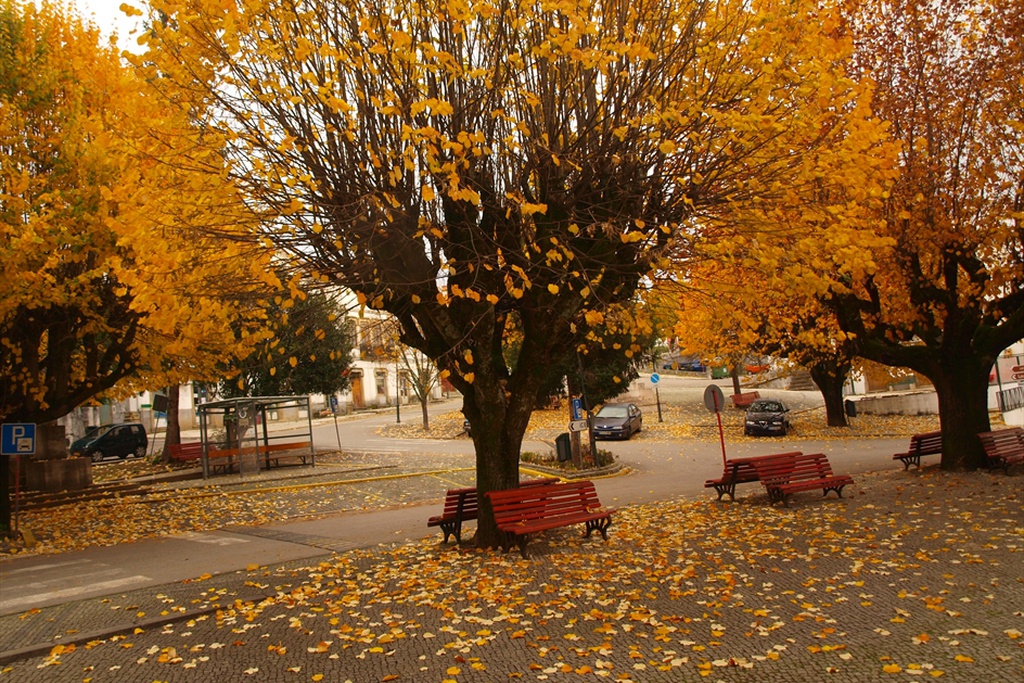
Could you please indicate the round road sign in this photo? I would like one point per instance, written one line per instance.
(714, 399)
(655, 378)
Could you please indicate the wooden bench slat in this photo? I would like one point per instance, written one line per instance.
(739, 471)
(926, 443)
(1003, 447)
(463, 504)
(785, 475)
(518, 513)
(184, 452)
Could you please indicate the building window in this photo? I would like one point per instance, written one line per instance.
(382, 382)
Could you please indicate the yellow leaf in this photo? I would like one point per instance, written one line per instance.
(427, 192)
(469, 377)
(553, 289)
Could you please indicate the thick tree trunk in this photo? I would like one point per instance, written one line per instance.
(830, 378)
(735, 374)
(173, 436)
(962, 389)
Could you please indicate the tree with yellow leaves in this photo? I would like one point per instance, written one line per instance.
(947, 296)
(456, 162)
(125, 247)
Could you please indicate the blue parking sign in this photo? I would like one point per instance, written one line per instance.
(17, 438)
(576, 409)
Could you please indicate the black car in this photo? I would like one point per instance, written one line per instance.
(617, 421)
(766, 416)
(115, 441)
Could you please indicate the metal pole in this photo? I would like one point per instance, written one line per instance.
(398, 395)
(657, 394)
(721, 432)
(586, 407)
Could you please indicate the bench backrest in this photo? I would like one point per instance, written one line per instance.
(467, 506)
(795, 467)
(470, 505)
(1002, 441)
(185, 451)
(741, 470)
(928, 442)
(543, 501)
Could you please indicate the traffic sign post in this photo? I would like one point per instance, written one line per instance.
(578, 425)
(714, 399)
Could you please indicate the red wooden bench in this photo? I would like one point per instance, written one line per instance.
(744, 400)
(184, 452)
(1004, 447)
(928, 443)
(783, 476)
(228, 459)
(739, 471)
(521, 512)
(462, 505)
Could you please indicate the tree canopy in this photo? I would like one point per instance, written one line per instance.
(310, 351)
(124, 248)
(458, 162)
(946, 298)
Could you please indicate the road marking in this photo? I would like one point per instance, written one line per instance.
(98, 588)
(210, 539)
(42, 567)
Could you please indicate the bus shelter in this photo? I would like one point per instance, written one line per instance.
(248, 445)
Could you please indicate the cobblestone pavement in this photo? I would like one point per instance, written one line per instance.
(911, 576)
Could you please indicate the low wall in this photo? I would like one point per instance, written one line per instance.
(901, 403)
(69, 474)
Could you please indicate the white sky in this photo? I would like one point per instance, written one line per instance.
(106, 15)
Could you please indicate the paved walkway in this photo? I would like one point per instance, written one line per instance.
(911, 575)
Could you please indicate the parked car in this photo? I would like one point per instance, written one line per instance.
(114, 441)
(766, 416)
(617, 421)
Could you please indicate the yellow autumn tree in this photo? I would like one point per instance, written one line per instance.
(947, 295)
(456, 162)
(129, 258)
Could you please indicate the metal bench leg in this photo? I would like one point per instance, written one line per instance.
(599, 525)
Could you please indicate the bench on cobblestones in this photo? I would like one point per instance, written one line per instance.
(782, 476)
(1003, 447)
(928, 443)
(521, 512)
(184, 452)
(462, 505)
(739, 471)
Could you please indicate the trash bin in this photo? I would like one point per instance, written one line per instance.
(851, 408)
(563, 447)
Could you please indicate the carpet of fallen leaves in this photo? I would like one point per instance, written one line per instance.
(910, 577)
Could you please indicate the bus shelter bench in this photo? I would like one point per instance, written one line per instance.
(928, 443)
(739, 471)
(184, 452)
(274, 453)
(521, 512)
(784, 476)
(462, 505)
(1003, 447)
(745, 399)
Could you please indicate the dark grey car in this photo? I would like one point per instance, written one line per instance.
(116, 441)
(617, 421)
(766, 416)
